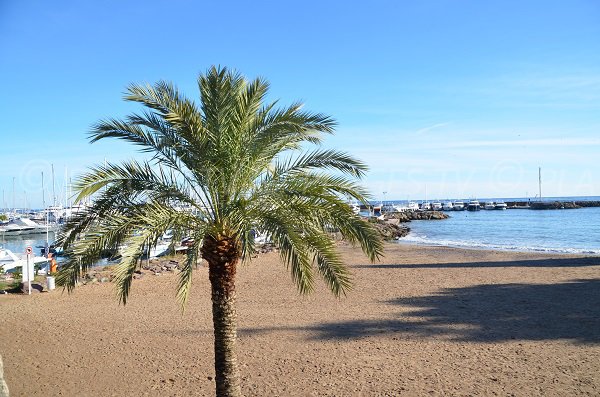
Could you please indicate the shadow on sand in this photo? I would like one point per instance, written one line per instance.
(484, 313)
(551, 262)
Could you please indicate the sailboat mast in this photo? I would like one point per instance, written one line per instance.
(66, 188)
(53, 191)
(14, 205)
(540, 181)
(46, 213)
(43, 195)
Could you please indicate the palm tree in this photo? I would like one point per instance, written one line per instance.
(240, 164)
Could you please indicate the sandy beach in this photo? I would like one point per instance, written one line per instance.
(423, 321)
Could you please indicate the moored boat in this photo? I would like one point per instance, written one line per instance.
(473, 205)
(500, 206)
(448, 206)
(436, 206)
(413, 206)
(489, 205)
(23, 226)
(458, 206)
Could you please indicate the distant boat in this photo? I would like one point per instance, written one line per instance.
(473, 205)
(500, 206)
(400, 208)
(388, 208)
(425, 206)
(56, 213)
(489, 205)
(413, 206)
(448, 206)
(22, 226)
(436, 206)
(458, 206)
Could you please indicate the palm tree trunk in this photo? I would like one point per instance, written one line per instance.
(222, 256)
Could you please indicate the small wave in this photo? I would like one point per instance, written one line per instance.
(420, 239)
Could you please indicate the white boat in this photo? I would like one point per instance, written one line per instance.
(75, 209)
(448, 206)
(425, 206)
(413, 206)
(23, 226)
(473, 205)
(9, 260)
(458, 206)
(500, 205)
(489, 205)
(56, 213)
(436, 206)
(405, 207)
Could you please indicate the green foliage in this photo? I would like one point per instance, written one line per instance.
(240, 163)
(9, 285)
(3, 217)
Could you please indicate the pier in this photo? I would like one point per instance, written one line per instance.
(551, 205)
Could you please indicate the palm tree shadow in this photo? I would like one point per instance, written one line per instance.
(489, 313)
(551, 262)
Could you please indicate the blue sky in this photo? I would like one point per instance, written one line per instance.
(457, 98)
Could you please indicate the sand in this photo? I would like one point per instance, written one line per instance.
(423, 321)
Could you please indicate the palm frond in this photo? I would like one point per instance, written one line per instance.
(323, 159)
(185, 276)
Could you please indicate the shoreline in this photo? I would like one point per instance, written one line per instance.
(548, 251)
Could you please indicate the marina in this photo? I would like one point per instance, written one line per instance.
(28, 228)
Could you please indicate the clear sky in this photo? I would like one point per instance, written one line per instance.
(457, 99)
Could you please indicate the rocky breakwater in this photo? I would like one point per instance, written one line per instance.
(389, 228)
(588, 203)
(553, 205)
(408, 216)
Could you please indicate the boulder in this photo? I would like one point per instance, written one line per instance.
(391, 231)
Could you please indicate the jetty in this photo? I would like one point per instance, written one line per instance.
(551, 205)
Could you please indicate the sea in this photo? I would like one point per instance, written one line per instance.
(18, 244)
(569, 231)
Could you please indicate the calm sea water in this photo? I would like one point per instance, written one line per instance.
(561, 231)
(18, 244)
